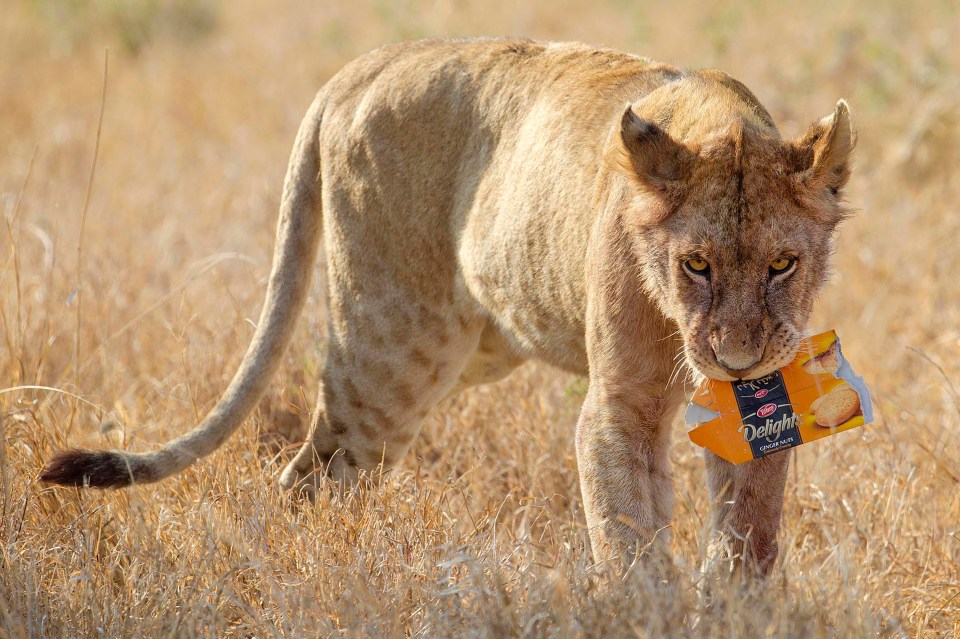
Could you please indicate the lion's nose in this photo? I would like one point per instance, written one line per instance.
(737, 349)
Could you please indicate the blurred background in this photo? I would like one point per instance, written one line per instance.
(148, 318)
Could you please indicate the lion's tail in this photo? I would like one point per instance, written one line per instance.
(298, 234)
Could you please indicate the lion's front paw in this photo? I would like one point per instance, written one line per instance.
(737, 557)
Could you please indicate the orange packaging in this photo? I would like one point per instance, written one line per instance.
(815, 396)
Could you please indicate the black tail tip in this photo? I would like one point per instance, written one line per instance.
(96, 469)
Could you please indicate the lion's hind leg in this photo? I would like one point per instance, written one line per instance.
(380, 380)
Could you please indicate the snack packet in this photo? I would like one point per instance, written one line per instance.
(815, 396)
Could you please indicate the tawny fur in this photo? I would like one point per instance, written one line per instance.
(485, 202)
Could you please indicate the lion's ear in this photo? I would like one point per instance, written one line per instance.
(660, 162)
(828, 146)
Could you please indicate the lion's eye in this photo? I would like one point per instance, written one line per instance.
(697, 265)
(781, 265)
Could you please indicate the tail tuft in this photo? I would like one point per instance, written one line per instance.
(97, 469)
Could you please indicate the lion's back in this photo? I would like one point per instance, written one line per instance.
(437, 155)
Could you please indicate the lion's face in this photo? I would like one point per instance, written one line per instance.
(740, 277)
(738, 243)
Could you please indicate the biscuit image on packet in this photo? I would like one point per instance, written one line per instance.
(815, 396)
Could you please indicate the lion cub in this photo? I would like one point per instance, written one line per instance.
(485, 202)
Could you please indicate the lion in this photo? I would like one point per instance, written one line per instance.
(487, 202)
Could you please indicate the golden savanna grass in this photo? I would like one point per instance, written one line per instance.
(480, 533)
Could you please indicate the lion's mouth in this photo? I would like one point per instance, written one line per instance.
(712, 369)
(742, 373)
(779, 350)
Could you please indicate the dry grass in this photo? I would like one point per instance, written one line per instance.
(481, 532)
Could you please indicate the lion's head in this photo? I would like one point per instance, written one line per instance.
(734, 229)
